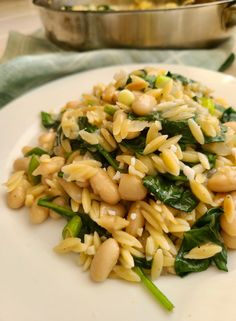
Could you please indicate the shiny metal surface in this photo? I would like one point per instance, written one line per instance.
(195, 26)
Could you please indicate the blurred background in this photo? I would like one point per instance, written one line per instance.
(205, 33)
(18, 15)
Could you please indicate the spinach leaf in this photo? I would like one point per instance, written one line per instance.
(229, 114)
(82, 146)
(112, 161)
(142, 262)
(185, 266)
(48, 121)
(176, 196)
(153, 289)
(182, 79)
(129, 80)
(217, 139)
(211, 158)
(89, 226)
(219, 108)
(151, 79)
(180, 178)
(35, 151)
(72, 228)
(97, 151)
(180, 127)
(173, 128)
(140, 73)
(205, 230)
(84, 124)
(137, 144)
(151, 117)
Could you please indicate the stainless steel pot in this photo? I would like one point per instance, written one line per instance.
(195, 26)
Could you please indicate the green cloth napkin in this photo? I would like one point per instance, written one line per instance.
(32, 60)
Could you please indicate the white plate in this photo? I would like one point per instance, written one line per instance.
(36, 284)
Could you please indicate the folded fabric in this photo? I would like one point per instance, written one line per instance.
(30, 61)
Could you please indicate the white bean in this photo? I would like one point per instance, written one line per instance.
(231, 124)
(113, 210)
(144, 105)
(126, 97)
(72, 104)
(21, 164)
(104, 260)
(46, 140)
(38, 214)
(131, 188)
(224, 180)
(105, 187)
(16, 198)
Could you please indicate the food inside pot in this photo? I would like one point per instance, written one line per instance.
(120, 5)
(133, 5)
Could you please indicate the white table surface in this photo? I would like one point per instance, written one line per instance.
(22, 16)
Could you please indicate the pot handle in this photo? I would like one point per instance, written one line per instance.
(229, 16)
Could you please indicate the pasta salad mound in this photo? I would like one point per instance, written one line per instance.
(143, 171)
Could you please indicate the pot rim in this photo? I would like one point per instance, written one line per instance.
(136, 11)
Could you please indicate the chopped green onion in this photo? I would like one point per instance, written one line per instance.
(48, 121)
(158, 295)
(72, 228)
(126, 97)
(91, 102)
(60, 174)
(61, 210)
(104, 7)
(109, 109)
(108, 157)
(151, 79)
(33, 164)
(84, 123)
(208, 103)
(161, 81)
(36, 151)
